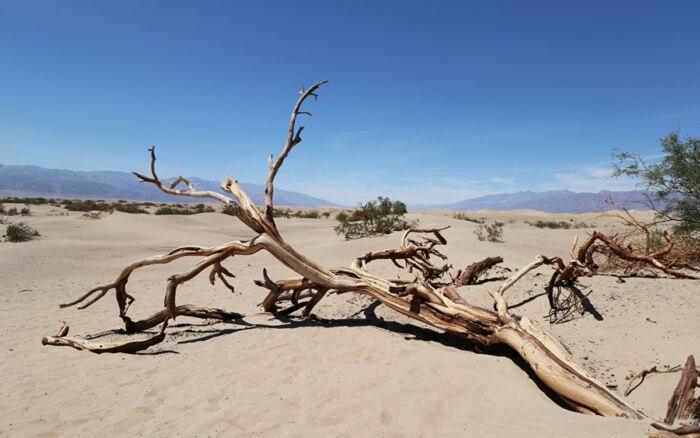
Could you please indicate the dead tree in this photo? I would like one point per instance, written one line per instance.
(422, 298)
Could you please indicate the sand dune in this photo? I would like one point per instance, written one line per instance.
(368, 372)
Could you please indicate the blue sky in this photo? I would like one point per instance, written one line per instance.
(428, 101)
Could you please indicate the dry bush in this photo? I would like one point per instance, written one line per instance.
(491, 233)
(20, 232)
(555, 225)
(464, 217)
(184, 210)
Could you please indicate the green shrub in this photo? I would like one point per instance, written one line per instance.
(124, 207)
(308, 214)
(373, 218)
(281, 212)
(492, 233)
(229, 210)
(674, 181)
(28, 201)
(558, 224)
(86, 205)
(550, 224)
(464, 217)
(20, 232)
(179, 209)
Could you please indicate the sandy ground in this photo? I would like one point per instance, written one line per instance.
(369, 372)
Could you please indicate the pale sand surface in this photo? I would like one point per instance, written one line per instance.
(360, 376)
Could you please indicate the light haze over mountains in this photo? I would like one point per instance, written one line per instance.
(39, 181)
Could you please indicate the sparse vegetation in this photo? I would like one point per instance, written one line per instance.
(229, 210)
(307, 214)
(20, 232)
(132, 208)
(464, 217)
(382, 216)
(491, 233)
(303, 214)
(559, 224)
(28, 201)
(86, 205)
(179, 209)
(24, 211)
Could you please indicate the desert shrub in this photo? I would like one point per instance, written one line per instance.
(373, 218)
(28, 201)
(674, 180)
(179, 209)
(326, 214)
(2, 209)
(229, 210)
(25, 211)
(20, 232)
(492, 233)
(550, 224)
(282, 212)
(308, 214)
(555, 225)
(87, 205)
(464, 217)
(12, 211)
(134, 208)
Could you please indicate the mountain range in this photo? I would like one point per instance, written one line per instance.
(59, 183)
(554, 201)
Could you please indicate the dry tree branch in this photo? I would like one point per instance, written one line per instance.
(423, 299)
(105, 347)
(293, 139)
(683, 405)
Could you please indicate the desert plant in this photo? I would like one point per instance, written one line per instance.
(131, 208)
(308, 214)
(674, 180)
(326, 214)
(550, 224)
(86, 205)
(491, 233)
(25, 211)
(20, 232)
(464, 217)
(179, 209)
(373, 218)
(28, 201)
(229, 210)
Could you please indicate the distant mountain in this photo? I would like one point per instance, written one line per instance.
(58, 183)
(556, 201)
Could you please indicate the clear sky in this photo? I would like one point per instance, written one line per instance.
(428, 102)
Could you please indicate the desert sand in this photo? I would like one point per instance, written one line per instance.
(366, 372)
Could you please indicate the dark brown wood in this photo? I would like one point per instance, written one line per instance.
(472, 272)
